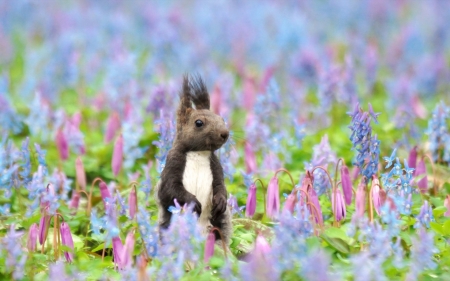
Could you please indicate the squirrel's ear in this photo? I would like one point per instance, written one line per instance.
(199, 93)
(185, 108)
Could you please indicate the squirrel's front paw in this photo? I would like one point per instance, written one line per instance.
(197, 206)
(219, 205)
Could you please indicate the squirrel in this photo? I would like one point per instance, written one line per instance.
(193, 173)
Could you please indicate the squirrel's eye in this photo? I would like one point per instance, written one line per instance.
(198, 123)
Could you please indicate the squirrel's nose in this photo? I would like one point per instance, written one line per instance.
(224, 135)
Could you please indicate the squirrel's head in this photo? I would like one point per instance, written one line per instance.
(198, 128)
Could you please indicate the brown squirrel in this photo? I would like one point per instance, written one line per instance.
(193, 173)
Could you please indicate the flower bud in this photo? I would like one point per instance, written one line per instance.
(338, 204)
(290, 203)
(132, 203)
(127, 252)
(346, 184)
(62, 145)
(273, 198)
(104, 192)
(75, 201)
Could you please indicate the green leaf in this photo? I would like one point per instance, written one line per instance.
(100, 247)
(437, 228)
(446, 186)
(337, 243)
(446, 227)
(439, 211)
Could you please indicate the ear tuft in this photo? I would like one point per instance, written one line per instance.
(199, 93)
(185, 107)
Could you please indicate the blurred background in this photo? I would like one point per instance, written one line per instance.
(282, 73)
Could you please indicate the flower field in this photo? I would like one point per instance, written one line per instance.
(337, 164)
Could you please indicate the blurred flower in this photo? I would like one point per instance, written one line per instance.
(132, 203)
(112, 126)
(447, 205)
(412, 158)
(127, 252)
(422, 253)
(149, 232)
(62, 145)
(80, 173)
(75, 201)
(117, 158)
(32, 237)
(259, 266)
(234, 207)
(360, 201)
(66, 240)
(209, 247)
(377, 197)
(250, 159)
(117, 252)
(425, 216)
(438, 132)
(273, 198)
(289, 205)
(104, 191)
(250, 207)
(11, 251)
(346, 184)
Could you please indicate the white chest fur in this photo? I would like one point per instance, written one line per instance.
(197, 179)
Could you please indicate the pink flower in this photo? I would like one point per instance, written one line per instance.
(251, 201)
(62, 145)
(216, 98)
(112, 127)
(290, 203)
(447, 205)
(117, 156)
(412, 158)
(32, 237)
(377, 195)
(346, 184)
(250, 159)
(422, 184)
(75, 201)
(66, 240)
(209, 247)
(132, 202)
(338, 204)
(104, 192)
(80, 174)
(117, 251)
(127, 252)
(273, 198)
(43, 226)
(355, 172)
(360, 201)
(314, 200)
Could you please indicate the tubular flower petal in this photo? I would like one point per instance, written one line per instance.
(209, 247)
(290, 203)
(66, 240)
(447, 205)
(75, 201)
(314, 200)
(338, 205)
(127, 252)
(117, 158)
(273, 198)
(62, 145)
(32, 237)
(117, 251)
(81, 175)
(412, 159)
(104, 191)
(346, 184)
(251, 201)
(43, 225)
(112, 127)
(132, 203)
(360, 201)
(250, 158)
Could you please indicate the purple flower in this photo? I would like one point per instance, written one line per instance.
(423, 182)
(75, 201)
(250, 207)
(447, 205)
(346, 184)
(117, 156)
(317, 211)
(338, 204)
(43, 226)
(260, 262)
(32, 237)
(422, 253)
(209, 247)
(425, 216)
(80, 174)
(360, 201)
(66, 240)
(273, 198)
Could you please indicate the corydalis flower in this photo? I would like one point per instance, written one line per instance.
(425, 216)
(66, 240)
(273, 198)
